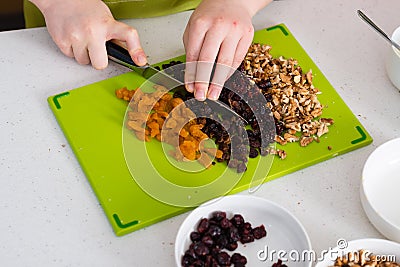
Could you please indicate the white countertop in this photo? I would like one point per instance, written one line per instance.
(49, 215)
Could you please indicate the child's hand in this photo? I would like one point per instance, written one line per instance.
(221, 31)
(81, 28)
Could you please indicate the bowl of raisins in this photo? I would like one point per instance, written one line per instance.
(241, 230)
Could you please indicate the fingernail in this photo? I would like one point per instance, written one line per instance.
(213, 94)
(200, 95)
(142, 59)
(190, 87)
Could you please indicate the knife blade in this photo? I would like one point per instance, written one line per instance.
(120, 55)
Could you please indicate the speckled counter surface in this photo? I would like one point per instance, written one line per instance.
(49, 213)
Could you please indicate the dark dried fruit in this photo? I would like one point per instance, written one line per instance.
(195, 236)
(219, 233)
(203, 226)
(223, 258)
(259, 232)
(207, 240)
(201, 249)
(238, 260)
(237, 220)
(218, 215)
(279, 264)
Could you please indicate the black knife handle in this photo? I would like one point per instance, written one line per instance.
(119, 53)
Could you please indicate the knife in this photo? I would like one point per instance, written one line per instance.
(120, 55)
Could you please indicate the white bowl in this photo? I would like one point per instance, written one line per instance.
(380, 189)
(393, 61)
(284, 231)
(378, 247)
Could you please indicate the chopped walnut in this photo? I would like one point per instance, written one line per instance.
(364, 258)
(291, 95)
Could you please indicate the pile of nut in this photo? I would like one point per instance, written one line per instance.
(364, 258)
(290, 93)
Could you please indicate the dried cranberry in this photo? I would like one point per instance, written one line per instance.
(237, 220)
(217, 233)
(207, 240)
(234, 234)
(221, 241)
(198, 263)
(195, 236)
(187, 260)
(253, 152)
(231, 246)
(203, 226)
(190, 252)
(214, 231)
(259, 232)
(279, 264)
(218, 215)
(225, 223)
(201, 249)
(210, 261)
(223, 258)
(247, 238)
(238, 260)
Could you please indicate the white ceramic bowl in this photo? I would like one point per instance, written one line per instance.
(378, 247)
(393, 61)
(380, 188)
(284, 231)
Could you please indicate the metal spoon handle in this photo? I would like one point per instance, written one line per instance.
(375, 27)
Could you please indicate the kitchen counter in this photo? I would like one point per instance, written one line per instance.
(51, 217)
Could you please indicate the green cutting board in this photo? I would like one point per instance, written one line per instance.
(92, 119)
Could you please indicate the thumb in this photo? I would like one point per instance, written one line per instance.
(123, 32)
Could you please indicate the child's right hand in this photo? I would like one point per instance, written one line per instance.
(81, 28)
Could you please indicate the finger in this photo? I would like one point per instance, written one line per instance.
(129, 35)
(193, 38)
(241, 51)
(98, 54)
(208, 54)
(224, 66)
(190, 75)
(81, 53)
(66, 49)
